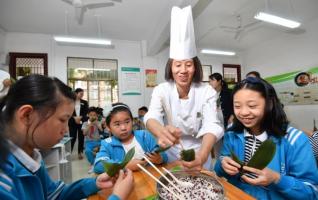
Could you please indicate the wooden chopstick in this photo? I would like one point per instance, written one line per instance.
(164, 176)
(169, 117)
(158, 181)
(168, 172)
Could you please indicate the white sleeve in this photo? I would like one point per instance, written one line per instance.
(210, 122)
(155, 110)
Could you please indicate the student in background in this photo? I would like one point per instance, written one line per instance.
(254, 74)
(75, 123)
(224, 102)
(35, 116)
(138, 123)
(91, 129)
(292, 173)
(113, 149)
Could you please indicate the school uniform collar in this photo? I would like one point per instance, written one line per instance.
(262, 137)
(116, 142)
(33, 163)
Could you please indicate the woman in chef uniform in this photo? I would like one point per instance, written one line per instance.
(182, 112)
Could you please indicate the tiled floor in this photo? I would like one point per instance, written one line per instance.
(79, 168)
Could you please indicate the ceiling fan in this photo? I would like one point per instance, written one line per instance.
(81, 6)
(239, 29)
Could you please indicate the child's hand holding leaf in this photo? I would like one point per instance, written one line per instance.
(261, 158)
(230, 166)
(113, 168)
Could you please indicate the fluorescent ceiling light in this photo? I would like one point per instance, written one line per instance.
(91, 69)
(210, 51)
(276, 20)
(82, 40)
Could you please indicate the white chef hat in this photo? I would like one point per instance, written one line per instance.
(182, 40)
(3, 75)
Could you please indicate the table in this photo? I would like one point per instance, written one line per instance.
(145, 187)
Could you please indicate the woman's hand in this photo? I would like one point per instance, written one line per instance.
(195, 165)
(124, 184)
(103, 181)
(265, 176)
(168, 136)
(78, 119)
(230, 166)
(154, 157)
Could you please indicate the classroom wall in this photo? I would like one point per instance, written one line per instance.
(281, 55)
(128, 53)
(2, 48)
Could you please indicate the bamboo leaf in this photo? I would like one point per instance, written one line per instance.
(235, 158)
(263, 156)
(113, 168)
(129, 155)
(187, 155)
(176, 169)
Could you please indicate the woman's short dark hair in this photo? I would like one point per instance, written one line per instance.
(253, 73)
(118, 107)
(43, 93)
(78, 90)
(198, 73)
(143, 108)
(275, 121)
(219, 77)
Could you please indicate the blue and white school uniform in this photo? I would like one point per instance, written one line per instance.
(25, 178)
(113, 151)
(293, 159)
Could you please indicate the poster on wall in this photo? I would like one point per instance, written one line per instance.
(207, 71)
(299, 87)
(130, 81)
(151, 77)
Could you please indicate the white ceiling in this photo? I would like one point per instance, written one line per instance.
(148, 20)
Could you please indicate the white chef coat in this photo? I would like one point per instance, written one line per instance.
(195, 116)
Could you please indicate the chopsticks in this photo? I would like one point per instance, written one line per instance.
(169, 181)
(158, 181)
(169, 117)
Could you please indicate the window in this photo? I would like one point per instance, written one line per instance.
(231, 74)
(23, 64)
(97, 77)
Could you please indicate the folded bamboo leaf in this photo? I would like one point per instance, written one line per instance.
(235, 158)
(129, 155)
(263, 155)
(187, 155)
(113, 168)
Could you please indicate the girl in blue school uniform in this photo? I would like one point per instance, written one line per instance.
(119, 122)
(292, 173)
(34, 115)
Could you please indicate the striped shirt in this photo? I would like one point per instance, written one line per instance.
(314, 144)
(252, 143)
